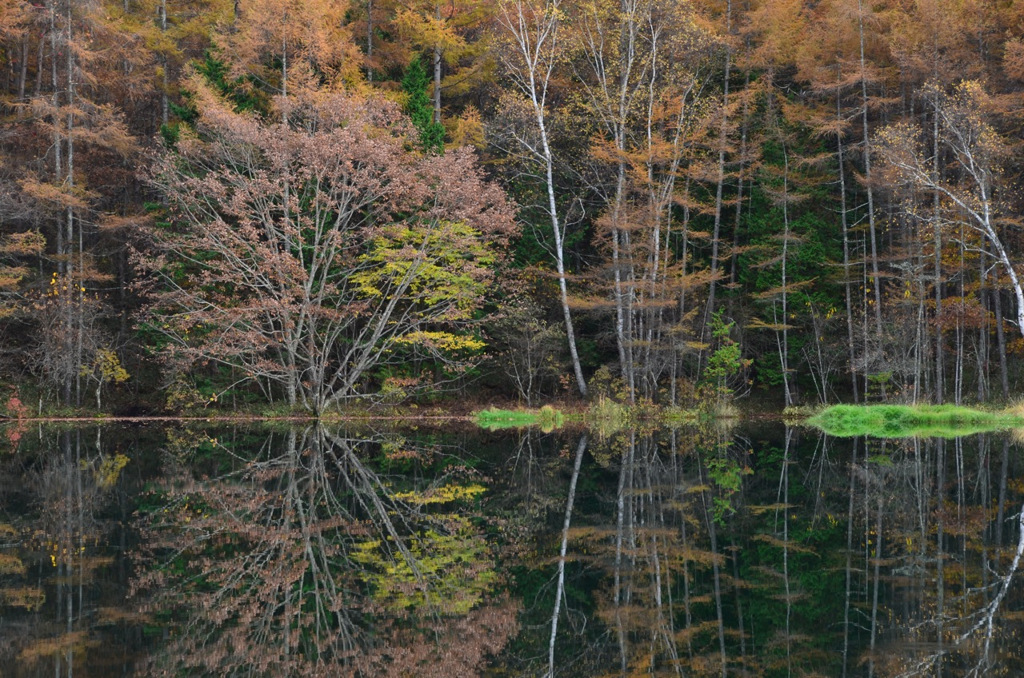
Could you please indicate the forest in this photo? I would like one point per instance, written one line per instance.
(302, 204)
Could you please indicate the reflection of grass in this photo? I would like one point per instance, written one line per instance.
(605, 417)
(547, 418)
(899, 421)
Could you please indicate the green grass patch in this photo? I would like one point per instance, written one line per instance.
(902, 421)
(494, 419)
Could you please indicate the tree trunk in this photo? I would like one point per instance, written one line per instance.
(867, 174)
(848, 283)
(877, 580)
(784, 349)
(437, 75)
(23, 73)
(538, 54)
(369, 41)
(77, 288)
(1004, 378)
(163, 58)
(560, 588)
(720, 183)
(39, 66)
(849, 559)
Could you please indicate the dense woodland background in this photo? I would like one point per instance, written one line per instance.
(302, 202)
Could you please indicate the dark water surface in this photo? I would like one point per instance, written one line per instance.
(755, 550)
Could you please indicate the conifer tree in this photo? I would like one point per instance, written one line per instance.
(419, 108)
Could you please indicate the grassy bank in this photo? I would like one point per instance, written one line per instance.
(603, 416)
(494, 419)
(900, 421)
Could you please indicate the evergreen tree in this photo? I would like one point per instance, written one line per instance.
(419, 108)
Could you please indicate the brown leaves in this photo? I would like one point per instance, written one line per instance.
(306, 544)
(309, 42)
(28, 243)
(290, 238)
(56, 196)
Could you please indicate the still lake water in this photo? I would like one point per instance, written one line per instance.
(756, 549)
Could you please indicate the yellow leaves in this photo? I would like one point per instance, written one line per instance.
(467, 129)
(443, 494)
(445, 572)
(105, 366)
(429, 30)
(109, 470)
(439, 268)
(443, 341)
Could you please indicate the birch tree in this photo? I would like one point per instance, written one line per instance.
(531, 51)
(969, 190)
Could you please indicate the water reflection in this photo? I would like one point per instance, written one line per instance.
(302, 559)
(762, 550)
(779, 552)
(63, 503)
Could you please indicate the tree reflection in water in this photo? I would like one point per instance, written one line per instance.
(304, 560)
(707, 553)
(761, 550)
(56, 567)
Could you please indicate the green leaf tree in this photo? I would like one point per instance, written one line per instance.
(419, 107)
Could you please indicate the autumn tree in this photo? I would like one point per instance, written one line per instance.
(452, 40)
(642, 66)
(57, 502)
(288, 47)
(441, 31)
(67, 141)
(309, 254)
(531, 51)
(529, 349)
(969, 190)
